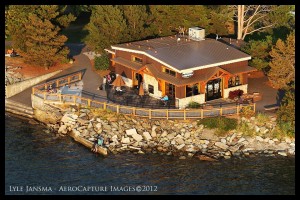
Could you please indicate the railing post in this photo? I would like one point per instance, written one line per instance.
(74, 99)
(46, 86)
(168, 114)
(184, 114)
(60, 98)
(118, 108)
(201, 113)
(149, 113)
(44, 95)
(80, 76)
(69, 80)
(33, 90)
(237, 109)
(57, 82)
(104, 105)
(89, 103)
(221, 111)
(133, 111)
(254, 107)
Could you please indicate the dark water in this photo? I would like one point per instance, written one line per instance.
(35, 158)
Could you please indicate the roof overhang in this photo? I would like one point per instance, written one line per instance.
(109, 51)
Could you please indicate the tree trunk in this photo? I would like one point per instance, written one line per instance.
(241, 9)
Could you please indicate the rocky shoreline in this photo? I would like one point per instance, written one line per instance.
(182, 139)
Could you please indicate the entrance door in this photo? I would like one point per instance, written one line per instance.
(170, 89)
(213, 89)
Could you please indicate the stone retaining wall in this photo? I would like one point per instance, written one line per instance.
(16, 88)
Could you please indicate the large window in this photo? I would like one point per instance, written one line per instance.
(192, 90)
(137, 59)
(169, 71)
(234, 81)
(151, 89)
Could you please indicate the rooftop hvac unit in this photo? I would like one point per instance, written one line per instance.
(187, 74)
(196, 33)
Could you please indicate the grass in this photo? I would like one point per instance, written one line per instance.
(262, 118)
(222, 124)
(245, 129)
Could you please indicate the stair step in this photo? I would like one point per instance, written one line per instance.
(16, 105)
(19, 113)
(19, 109)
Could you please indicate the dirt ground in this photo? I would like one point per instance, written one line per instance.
(29, 71)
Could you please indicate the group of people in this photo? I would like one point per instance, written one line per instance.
(107, 80)
(51, 89)
(165, 99)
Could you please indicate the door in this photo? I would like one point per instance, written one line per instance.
(213, 89)
(170, 89)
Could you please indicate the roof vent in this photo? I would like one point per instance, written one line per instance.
(196, 33)
(187, 74)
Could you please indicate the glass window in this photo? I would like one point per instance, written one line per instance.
(151, 89)
(237, 80)
(191, 90)
(230, 82)
(171, 72)
(137, 59)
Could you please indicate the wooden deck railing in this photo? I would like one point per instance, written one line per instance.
(135, 111)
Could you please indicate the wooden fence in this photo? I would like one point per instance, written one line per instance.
(57, 98)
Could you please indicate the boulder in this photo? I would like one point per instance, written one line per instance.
(221, 145)
(282, 153)
(208, 134)
(206, 158)
(241, 140)
(232, 137)
(223, 141)
(164, 134)
(147, 136)
(125, 140)
(182, 158)
(131, 131)
(171, 136)
(137, 137)
(180, 146)
(62, 129)
(180, 141)
(258, 138)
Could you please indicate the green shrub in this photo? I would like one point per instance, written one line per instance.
(102, 62)
(245, 129)
(262, 118)
(222, 124)
(193, 104)
(284, 129)
(247, 112)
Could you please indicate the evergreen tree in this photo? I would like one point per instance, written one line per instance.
(35, 32)
(136, 20)
(259, 51)
(286, 112)
(107, 26)
(282, 65)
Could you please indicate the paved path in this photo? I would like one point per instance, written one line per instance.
(91, 80)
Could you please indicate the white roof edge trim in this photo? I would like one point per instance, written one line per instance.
(215, 64)
(185, 70)
(109, 51)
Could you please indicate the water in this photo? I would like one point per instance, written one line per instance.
(35, 158)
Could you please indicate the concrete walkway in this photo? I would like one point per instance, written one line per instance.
(91, 80)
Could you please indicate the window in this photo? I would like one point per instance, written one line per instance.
(237, 80)
(192, 90)
(169, 71)
(151, 89)
(230, 82)
(137, 59)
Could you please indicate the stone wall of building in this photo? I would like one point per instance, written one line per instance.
(152, 81)
(200, 98)
(241, 87)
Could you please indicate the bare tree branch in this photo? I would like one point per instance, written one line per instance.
(264, 27)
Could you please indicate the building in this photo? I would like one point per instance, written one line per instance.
(186, 68)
